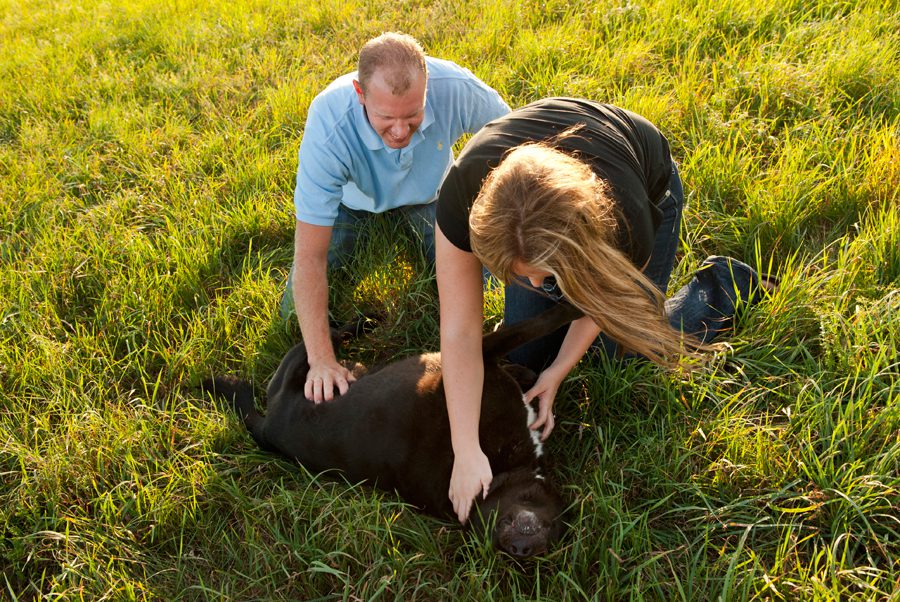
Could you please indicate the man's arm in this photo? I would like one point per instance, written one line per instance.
(484, 105)
(309, 288)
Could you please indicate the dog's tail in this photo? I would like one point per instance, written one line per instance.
(239, 395)
(505, 339)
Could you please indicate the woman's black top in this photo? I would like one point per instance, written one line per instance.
(621, 147)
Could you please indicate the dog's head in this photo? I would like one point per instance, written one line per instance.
(525, 510)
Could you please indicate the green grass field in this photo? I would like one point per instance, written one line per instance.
(147, 161)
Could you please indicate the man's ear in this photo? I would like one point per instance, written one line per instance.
(359, 92)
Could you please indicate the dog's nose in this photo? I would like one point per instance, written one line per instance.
(525, 537)
(523, 546)
(521, 551)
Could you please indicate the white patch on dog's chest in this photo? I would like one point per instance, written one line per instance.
(535, 435)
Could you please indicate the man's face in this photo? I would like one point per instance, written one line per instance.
(395, 118)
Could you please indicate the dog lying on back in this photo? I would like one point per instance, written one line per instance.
(391, 430)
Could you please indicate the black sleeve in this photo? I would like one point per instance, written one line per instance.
(457, 194)
(452, 212)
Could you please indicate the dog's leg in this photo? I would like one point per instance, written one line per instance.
(290, 377)
(504, 340)
(524, 376)
(352, 330)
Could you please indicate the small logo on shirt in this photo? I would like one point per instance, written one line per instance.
(440, 146)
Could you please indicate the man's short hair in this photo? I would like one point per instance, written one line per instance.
(399, 54)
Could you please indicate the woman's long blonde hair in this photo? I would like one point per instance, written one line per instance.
(549, 210)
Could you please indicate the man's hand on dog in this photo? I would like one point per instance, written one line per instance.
(471, 475)
(323, 378)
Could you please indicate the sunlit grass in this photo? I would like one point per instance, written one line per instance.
(147, 161)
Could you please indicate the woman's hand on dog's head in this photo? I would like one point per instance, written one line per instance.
(471, 475)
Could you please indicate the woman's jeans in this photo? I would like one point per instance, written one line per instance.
(346, 231)
(703, 307)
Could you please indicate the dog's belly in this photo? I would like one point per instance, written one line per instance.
(391, 430)
(379, 431)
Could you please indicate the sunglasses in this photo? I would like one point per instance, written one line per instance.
(549, 288)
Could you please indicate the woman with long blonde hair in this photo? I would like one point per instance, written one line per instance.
(567, 199)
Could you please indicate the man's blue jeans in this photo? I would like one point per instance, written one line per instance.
(345, 233)
(703, 307)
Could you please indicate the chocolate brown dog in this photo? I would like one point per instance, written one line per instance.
(391, 430)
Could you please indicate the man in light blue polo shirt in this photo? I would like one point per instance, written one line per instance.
(379, 139)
